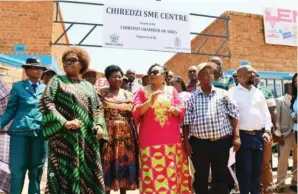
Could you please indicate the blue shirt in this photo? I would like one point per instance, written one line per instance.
(294, 114)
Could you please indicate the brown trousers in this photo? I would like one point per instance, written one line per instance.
(266, 173)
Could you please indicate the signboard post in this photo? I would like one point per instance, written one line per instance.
(280, 26)
(146, 29)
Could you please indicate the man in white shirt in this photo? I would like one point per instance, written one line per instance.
(255, 126)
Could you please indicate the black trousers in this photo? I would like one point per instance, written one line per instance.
(216, 154)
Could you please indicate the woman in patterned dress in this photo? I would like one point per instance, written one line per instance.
(120, 163)
(159, 112)
(72, 122)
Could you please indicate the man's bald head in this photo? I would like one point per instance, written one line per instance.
(246, 75)
(243, 69)
(130, 71)
(131, 75)
(192, 68)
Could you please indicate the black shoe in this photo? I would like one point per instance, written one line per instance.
(293, 188)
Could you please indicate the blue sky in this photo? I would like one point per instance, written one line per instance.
(141, 60)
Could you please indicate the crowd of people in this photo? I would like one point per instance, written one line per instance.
(130, 136)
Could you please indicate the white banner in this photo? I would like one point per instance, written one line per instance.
(280, 26)
(146, 29)
(102, 83)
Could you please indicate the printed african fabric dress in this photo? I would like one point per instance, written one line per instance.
(73, 160)
(163, 162)
(120, 151)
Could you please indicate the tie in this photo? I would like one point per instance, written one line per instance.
(34, 86)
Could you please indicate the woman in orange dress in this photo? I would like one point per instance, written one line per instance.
(119, 151)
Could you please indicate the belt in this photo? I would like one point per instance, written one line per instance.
(212, 140)
(254, 132)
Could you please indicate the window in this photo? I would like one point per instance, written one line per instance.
(278, 88)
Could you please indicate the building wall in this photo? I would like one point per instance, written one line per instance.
(29, 23)
(246, 42)
(10, 74)
(179, 63)
(26, 22)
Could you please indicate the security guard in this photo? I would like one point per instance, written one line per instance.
(27, 146)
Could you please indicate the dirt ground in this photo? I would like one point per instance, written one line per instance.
(287, 191)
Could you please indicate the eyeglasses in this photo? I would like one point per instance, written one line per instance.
(156, 72)
(71, 60)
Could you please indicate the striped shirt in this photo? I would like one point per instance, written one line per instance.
(208, 116)
(224, 82)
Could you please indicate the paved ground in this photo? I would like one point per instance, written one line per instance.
(287, 191)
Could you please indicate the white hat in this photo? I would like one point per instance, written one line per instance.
(206, 64)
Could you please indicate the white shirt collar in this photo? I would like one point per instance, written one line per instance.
(243, 88)
(37, 83)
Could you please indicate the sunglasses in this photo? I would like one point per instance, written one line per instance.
(156, 72)
(36, 68)
(71, 60)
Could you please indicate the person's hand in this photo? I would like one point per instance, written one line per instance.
(74, 124)
(173, 111)
(154, 96)
(99, 130)
(266, 137)
(278, 139)
(236, 143)
(187, 147)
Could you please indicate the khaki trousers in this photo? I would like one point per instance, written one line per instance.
(266, 173)
(290, 145)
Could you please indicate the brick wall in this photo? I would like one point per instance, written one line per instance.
(28, 22)
(246, 42)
